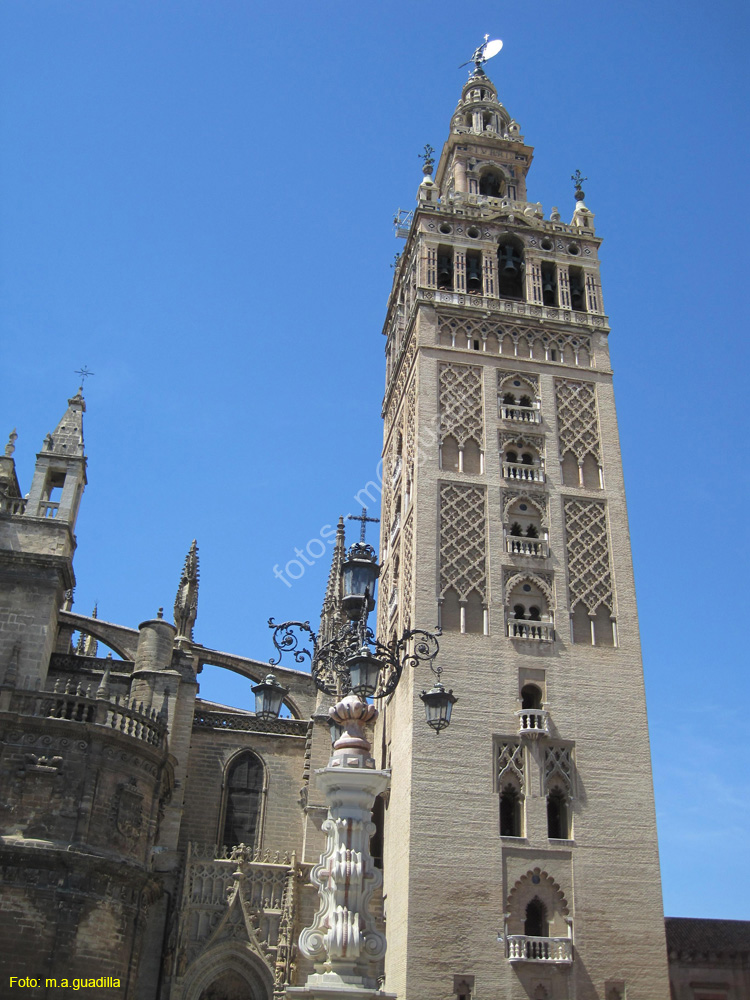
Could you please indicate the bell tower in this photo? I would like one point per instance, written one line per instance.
(520, 854)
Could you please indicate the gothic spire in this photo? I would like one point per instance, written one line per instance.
(186, 601)
(330, 614)
(67, 437)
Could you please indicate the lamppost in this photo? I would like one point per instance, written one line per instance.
(351, 665)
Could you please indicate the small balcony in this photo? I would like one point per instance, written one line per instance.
(521, 414)
(519, 545)
(393, 602)
(539, 949)
(533, 722)
(48, 508)
(395, 527)
(530, 631)
(397, 471)
(521, 472)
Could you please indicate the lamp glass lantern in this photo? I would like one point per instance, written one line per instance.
(364, 673)
(438, 704)
(359, 572)
(269, 697)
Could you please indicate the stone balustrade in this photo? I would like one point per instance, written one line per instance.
(12, 505)
(75, 703)
(533, 722)
(521, 414)
(48, 508)
(522, 948)
(203, 719)
(522, 628)
(521, 472)
(519, 545)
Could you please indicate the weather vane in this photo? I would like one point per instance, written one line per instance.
(578, 180)
(485, 51)
(84, 372)
(429, 159)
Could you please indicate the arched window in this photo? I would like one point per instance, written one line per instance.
(531, 696)
(558, 815)
(536, 923)
(243, 789)
(510, 812)
(491, 182)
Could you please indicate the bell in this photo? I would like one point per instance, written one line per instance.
(509, 260)
(473, 277)
(548, 284)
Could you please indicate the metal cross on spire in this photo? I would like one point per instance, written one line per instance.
(364, 519)
(83, 372)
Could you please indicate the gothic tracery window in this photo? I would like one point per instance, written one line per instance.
(243, 790)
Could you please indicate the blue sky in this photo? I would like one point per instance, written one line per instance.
(197, 203)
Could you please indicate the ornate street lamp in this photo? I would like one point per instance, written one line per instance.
(351, 665)
(269, 697)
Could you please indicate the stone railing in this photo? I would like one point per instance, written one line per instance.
(522, 628)
(248, 723)
(74, 703)
(520, 414)
(71, 663)
(48, 508)
(533, 722)
(522, 948)
(522, 472)
(514, 306)
(520, 545)
(11, 505)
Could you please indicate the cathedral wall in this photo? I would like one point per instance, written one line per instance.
(210, 753)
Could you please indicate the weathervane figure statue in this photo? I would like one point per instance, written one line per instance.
(485, 51)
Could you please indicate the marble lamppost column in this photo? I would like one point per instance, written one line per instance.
(343, 942)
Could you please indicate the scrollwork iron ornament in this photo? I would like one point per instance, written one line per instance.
(329, 661)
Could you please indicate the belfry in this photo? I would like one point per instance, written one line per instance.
(520, 849)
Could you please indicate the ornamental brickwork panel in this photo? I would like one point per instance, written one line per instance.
(463, 560)
(558, 767)
(587, 545)
(461, 403)
(510, 761)
(577, 418)
(407, 555)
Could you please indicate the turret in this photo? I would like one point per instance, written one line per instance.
(60, 472)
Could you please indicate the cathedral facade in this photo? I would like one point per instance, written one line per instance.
(162, 845)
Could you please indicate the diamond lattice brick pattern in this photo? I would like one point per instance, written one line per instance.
(577, 418)
(461, 403)
(463, 540)
(587, 543)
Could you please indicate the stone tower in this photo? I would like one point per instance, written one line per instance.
(520, 846)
